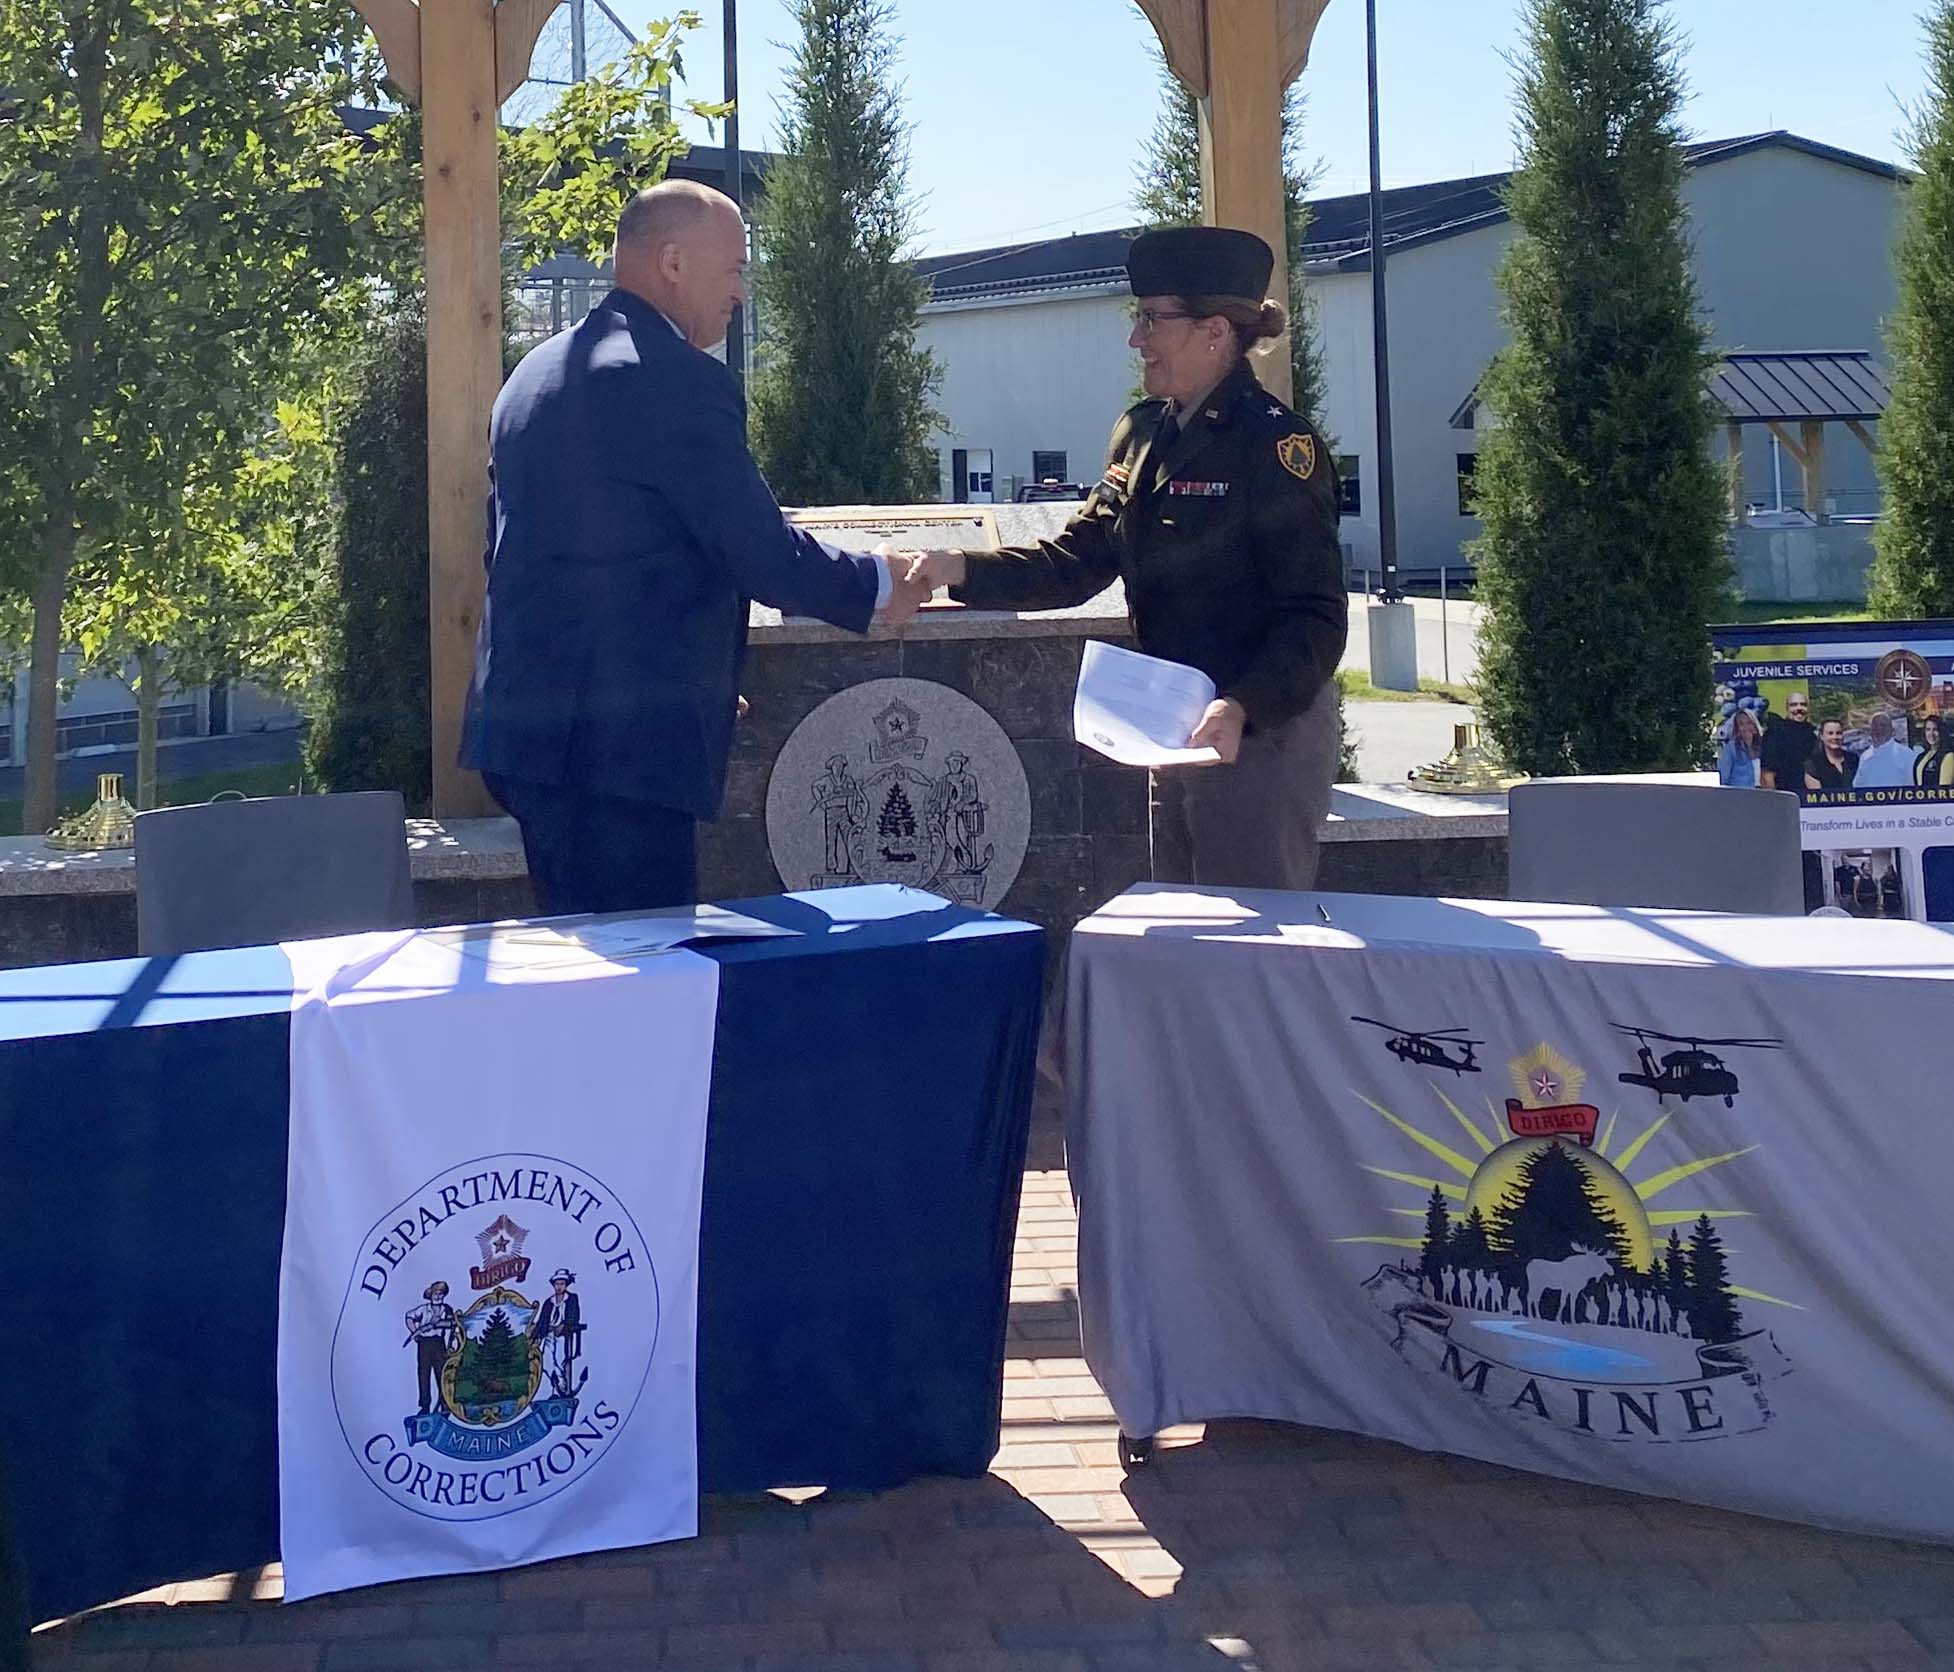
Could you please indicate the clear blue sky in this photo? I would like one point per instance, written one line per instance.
(1028, 114)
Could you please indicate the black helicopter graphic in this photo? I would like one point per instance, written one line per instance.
(1694, 1071)
(1432, 1050)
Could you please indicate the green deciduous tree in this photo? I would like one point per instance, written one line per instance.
(1913, 574)
(566, 177)
(176, 203)
(1605, 546)
(843, 398)
(222, 582)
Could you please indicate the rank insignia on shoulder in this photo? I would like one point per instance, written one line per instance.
(1298, 455)
(1197, 490)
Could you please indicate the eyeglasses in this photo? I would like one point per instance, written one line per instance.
(1147, 318)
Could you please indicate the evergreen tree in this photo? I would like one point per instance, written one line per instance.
(898, 816)
(1438, 1237)
(1472, 1243)
(1553, 1205)
(1604, 553)
(1712, 1308)
(370, 721)
(1673, 1280)
(1913, 572)
(1169, 194)
(843, 399)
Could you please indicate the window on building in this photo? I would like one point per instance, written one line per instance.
(1349, 475)
(1047, 467)
(1468, 468)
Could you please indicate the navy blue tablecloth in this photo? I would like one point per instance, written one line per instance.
(871, 1096)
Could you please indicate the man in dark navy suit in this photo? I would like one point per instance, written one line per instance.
(629, 528)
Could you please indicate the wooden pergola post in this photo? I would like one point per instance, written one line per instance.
(1237, 57)
(459, 60)
(1809, 454)
(1734, 436)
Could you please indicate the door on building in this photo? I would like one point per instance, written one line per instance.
(980, 480)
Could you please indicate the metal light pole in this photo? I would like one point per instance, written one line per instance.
(736, 326)
(1387, 508)
(1393, 623)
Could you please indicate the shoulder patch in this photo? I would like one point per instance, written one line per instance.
(1298, 455)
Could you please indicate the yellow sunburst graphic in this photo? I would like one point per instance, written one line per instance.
(1544, 1077)
(1484, 1173)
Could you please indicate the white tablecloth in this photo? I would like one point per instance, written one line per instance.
(1516, 1253)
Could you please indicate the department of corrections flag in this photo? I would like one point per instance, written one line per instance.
(488, 1294)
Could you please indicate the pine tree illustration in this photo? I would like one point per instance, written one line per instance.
(898, 817)
(1472, 1245)
(1553, 1205)
(1674, 1288)
(503, 1356)
(1438, 1237)
(1713, 1310)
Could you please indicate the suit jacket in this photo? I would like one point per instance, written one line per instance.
(1226, 537)
(628, 529)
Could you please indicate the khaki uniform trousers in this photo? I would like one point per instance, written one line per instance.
(1253, 824)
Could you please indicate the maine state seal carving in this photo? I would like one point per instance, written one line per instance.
(900, 781)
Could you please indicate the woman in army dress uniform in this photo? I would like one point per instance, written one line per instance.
(1219, 511)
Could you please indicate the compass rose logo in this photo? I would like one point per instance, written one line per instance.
(1903, 678)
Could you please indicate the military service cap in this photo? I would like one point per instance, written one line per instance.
(1200, 261)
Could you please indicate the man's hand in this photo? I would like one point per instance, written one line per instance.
(907, 593)
(936, 568)
(1221, 729)
(741, 715)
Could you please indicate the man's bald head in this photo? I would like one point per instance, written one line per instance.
(667, 212)
(682, 247)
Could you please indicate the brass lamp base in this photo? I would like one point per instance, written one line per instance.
(1472, 768)
(110, 823)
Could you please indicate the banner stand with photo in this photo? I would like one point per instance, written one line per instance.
(1857, 719)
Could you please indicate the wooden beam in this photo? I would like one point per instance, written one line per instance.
(1182, 28)
(1795, 449)
(1865, 435)
(517, 24)
(464, 356)
(1298, 28)
(1241, 148)
(396, 25)
(1734, 437)
(1814, 468)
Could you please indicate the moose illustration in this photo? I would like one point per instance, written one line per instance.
(1567, 1278)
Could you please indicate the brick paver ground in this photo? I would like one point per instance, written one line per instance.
(1250, 1547)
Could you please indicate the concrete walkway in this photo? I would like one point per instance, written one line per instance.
(1245, 1548)
(1393, 737)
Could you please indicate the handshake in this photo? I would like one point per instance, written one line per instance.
(914, 578)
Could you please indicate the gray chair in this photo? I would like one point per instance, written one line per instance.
(1598, 842)
(288, 867)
